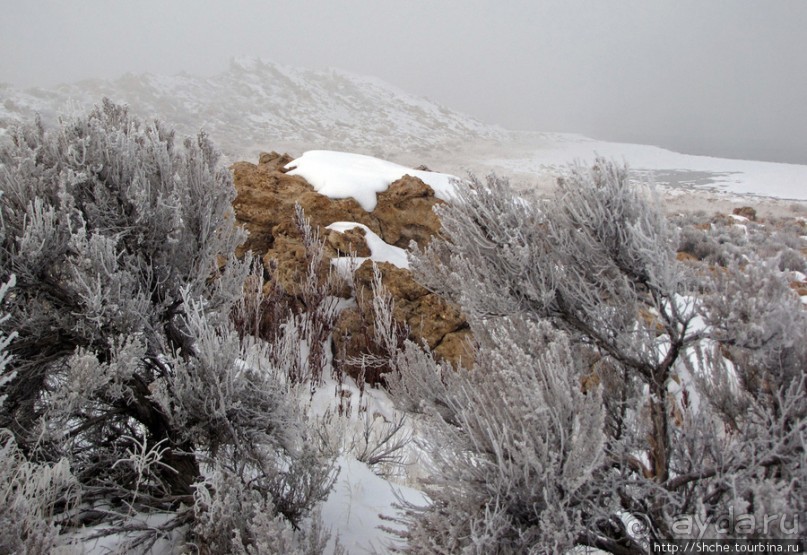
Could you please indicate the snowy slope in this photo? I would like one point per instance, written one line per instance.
(256, 105)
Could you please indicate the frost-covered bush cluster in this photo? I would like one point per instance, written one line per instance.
(150, 379)
(5, 339)
(721, 240)
(616, 393)
(30, 493)
(306, 317)
(514, 448)
(127, 380)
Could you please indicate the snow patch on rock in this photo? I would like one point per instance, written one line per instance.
(340, 175)
(379, 250)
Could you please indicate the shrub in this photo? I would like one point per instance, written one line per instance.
(602, 410)
(125, 363)
(791, 260)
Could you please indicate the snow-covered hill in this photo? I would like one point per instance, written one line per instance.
(256, 105)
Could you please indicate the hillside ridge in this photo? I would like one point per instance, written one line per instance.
(255, 103)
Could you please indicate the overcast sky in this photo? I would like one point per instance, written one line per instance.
(726, 77)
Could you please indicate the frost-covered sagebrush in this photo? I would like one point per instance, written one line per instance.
(609, 402)
(30, 493)
(5, 339)
(125, 363)
(514, 447)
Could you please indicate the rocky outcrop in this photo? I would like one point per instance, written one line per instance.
(265, 206)
(267, 195)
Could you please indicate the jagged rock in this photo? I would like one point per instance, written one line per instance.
(349, 242)
(353, 339)
(266, 198)
(405, 212)
(683, 256)
(430, 320)
(274, 161)
(260, 204)
(288, 256)
(353, 336)
(323, 211)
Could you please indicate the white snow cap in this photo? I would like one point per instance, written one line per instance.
(341, 175)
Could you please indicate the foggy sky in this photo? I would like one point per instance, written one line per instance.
(720, 77)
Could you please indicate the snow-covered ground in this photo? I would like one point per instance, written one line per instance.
(356, 505)
(363, 494)
(542, 153)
